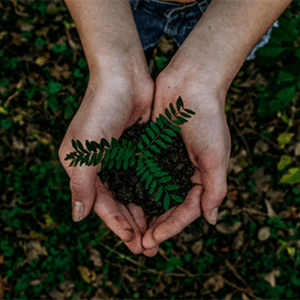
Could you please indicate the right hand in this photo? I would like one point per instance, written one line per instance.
(114, 100)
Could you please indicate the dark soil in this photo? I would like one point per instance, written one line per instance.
(127, 185)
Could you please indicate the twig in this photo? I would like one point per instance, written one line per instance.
(240, 289)
(242, 137)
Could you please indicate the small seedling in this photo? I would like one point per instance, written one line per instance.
(123, 154)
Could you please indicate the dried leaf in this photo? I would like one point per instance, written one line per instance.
(197, 247)
(87, 275)
(270, 277)
(271, 213)
(225, 229)
(213, 284)
(264, 233)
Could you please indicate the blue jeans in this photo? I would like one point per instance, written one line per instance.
(154, 19)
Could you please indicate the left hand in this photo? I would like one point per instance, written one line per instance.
(207, 140)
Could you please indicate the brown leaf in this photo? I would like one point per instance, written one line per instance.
(270, 277)
(213, 284)
(225, 229)
(271, 213)
(197, 247)
(238, 241)
(95, 257)
(264, 234)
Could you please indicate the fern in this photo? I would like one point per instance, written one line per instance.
(123, 154)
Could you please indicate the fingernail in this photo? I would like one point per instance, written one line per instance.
(213, 216)
(78, 211)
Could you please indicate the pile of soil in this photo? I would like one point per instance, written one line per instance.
(127, 185)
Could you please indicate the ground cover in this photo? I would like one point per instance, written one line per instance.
(253, 251)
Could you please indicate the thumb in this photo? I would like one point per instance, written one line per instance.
(215, 190)
(82, 185)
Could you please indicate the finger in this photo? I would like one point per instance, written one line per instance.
(215, 190)
(108, 210)
(138, 216)
(148, 241)
(82, 185)
(181, 217)
(151, 252)
(135, 245)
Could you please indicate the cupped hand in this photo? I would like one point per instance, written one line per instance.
(207, 140)
(113, 102)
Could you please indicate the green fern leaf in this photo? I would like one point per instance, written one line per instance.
(191, 112)
(168, 114)
(174, 127)
(141, 171)
(172, 109)
(179, 121)
(145, 139)
(105, 159)
(148, 181)
(99, 157)
(71, 163)
(179, 103)
(161, 144)
(153, 186)
(89, 146)
(160, 123)
(124, 143)
(93, 159)
(95, 145)
(158, 194)
(104, 143)
(167, 201)
(176, 198)
(79, 145)
(114, 152)
(114, 143)
(125, 164)
(154, 148)
(164, 119)
(160, 174)
(132, 162)
(171, 187)
(185, 115)
(74, 145)
(111, 164)
(119, 164)
(166, 138)
(140, 146)
(78, 159)
(170, 132)
(150, 133)
(120, 154)
(147, 154)
(165, 179)
(154, 127)
(70, 155)
(145, 175)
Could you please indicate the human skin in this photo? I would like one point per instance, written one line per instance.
(119, 93)
(201, 72)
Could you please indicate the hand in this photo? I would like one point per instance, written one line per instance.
(207, 140)
(114, 100)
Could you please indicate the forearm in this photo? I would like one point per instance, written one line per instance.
(106, 29)
(226, 33)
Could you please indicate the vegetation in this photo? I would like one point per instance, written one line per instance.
(252, 253)
(120, 154)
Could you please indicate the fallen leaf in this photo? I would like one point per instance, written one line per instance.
(213, 284)
(284, 138)
(87, 275)
(225, 229)
(270, 211)
(270, 277)
(264, 233)
(297, 149)
(239, 240)
(292, 176)
(197, 247)
(95, 257)
(285, 160)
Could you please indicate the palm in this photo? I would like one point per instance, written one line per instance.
(97, 118)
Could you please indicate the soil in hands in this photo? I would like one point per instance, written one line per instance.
(127, 186)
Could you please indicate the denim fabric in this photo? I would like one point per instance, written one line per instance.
(154, 19)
